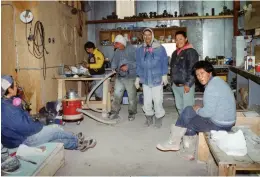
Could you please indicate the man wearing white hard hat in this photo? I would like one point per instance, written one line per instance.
(124, 63)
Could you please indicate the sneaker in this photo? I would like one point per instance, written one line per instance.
(86, 144)
(80, 136)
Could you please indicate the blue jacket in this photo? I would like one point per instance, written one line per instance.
(125, 57)
(152, 64)
(16, 124)
(218, 103)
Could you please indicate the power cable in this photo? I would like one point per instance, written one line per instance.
(39, 49)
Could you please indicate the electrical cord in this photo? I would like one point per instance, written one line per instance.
(39, 49)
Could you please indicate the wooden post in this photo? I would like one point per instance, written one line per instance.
(203, 149)
(79, 88)
(236, 7)
(105, 96)
(61, 88)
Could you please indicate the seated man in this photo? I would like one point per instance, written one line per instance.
(218, 111)
(18, 127)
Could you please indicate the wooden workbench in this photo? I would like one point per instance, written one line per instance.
(105, 104)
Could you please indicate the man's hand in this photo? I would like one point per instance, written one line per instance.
(137, 83)
(186, 89)
(164, 80)
(124, 68)
(196, 107)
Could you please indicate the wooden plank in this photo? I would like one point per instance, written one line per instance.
(78, 79)
(203, 149)
(227, 170)
(61, 88)
(53, 163)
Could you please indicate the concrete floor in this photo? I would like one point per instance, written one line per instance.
(128, 148)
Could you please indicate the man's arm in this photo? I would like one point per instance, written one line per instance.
(192, 58)
(210, 100)
(99, 61)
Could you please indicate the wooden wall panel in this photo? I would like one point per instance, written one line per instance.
(8, 56)
(59, 24)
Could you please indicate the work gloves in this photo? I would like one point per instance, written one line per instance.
(137, 83)
(164, 80)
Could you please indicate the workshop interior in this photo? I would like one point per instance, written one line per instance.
(70, 64)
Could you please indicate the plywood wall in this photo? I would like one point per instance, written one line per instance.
(59, 24)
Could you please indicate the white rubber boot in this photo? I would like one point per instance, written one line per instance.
(173, 144)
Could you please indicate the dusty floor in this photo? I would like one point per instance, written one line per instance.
(128, 148)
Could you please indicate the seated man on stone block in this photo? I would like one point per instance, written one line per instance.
(18, 127)
(218, 111)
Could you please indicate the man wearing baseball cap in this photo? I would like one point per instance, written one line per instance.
(18, 127)
(124, 63)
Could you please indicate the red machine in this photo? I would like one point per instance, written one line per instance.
(70, 106)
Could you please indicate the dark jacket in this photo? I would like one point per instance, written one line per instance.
(181, 66)
(16, 124)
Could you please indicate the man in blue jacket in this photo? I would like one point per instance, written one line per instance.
(152, 70)
(217, 113)
(124, 63)
(18, 127)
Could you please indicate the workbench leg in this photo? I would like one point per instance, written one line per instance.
(79, 88)
(226, 170)
(61, 89)
(105, 96)
(203, 148)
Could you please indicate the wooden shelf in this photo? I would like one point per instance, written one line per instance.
(190, 18)
(159, 19)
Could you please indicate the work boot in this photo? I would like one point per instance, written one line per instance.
(113, 115)
(189, 146)
(86, 144)
(174, 141)
(131, 117)
(158, 122)
(149, 121)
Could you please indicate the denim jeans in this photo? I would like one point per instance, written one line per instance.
(182, 100)
(153, 98)
(122, 84)
(195, 123)
(99, 91)
(52, 134)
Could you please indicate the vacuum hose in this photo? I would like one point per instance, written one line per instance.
(96, 110)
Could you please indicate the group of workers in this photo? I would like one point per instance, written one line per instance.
(146, 65)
